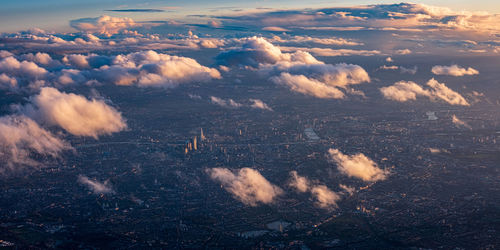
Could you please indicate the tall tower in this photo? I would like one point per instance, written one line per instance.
(195, 144)
(202, 136)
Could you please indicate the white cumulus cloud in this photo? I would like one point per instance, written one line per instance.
(104, 25)
(76, 114)
(325, 197)
(305, 85)
(358, 166)
(246, 185)
(453, 70)
(403, 91)
(299, 70)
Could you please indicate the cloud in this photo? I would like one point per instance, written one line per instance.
(324, 197)
(143, 68)
(247, 185)
(347, 190)
(333, 52)
(392, 67)
(411, 71)
(41, 59)
(300, 71)
(275, 28)
(5, 53)
(86, 61)
(358, 166)
(7, 82)
(194, 96)
(460, 123)
(254, 51)
(21, 139)
(259, 104)
(230, 103)
(318, 80)
(338, 75)
(95, 186)
(298, 182)
(225, 103)
(125, 41)
(408, 17)
(453, 70)
(104, 25)
(324, 41)
(305, 85)
(76, 114)
(12, 66)
(405, 91)
(137, 10)
(441, 91)
(149, 68)
(403, 52)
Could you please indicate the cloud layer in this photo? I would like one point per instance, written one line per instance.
(408, 17)
(144, 68)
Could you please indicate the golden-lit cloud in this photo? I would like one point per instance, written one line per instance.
(246, 185)
(77, 114)
(358, 166)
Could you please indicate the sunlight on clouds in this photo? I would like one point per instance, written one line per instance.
(21, 138)
(247, 185)
(77, 114)
(358, 166)
(405, 91)
(453, 70)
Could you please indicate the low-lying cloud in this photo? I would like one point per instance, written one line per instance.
(230, 103)
(324, 197)
(459, 123)
(246, 185)
(104, 25)
(300, 71)
(95, 186)
(76, 114)
(453, 70)
(405, 91)
(225, 103)
(21, 139)
(358, 166)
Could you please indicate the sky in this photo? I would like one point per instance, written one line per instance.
(55, 14)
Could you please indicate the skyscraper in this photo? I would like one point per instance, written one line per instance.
(202, 136)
